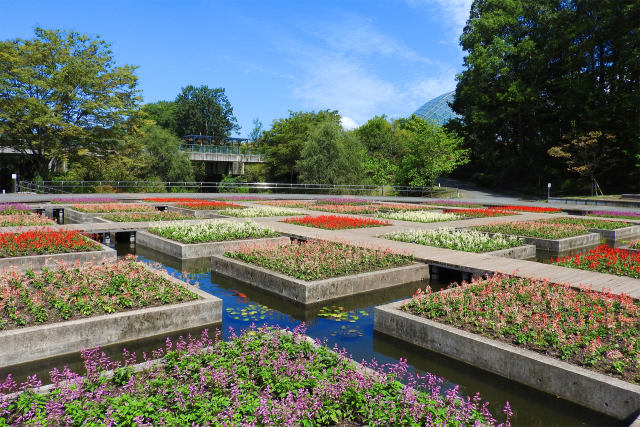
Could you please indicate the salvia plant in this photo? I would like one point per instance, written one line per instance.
(213, 231)
(418, 216)
(457, 239)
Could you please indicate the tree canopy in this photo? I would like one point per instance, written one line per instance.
(541, 73)
(61, 95)
(204, 111)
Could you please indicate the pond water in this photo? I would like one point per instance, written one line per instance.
(348, 323)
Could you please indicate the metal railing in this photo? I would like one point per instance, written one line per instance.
(221, 187)
(216, 149)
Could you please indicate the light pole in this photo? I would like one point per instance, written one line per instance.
(14, 182)
(548, 191)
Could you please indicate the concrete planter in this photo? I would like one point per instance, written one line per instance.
(624, 233)
(601, 393)
(519, 252)
(309, 292)
(36, 262)
(195, 250)
(198, 213)
(38, 342)
(78, 217)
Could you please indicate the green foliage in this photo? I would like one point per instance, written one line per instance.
(429, 152)
(204, 111)
(164, 158)
(383, 142)
(63, 98)
(163, 113)
(331, 156)
(538, 74)
(282, 144)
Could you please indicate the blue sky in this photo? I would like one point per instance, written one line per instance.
(362, 58)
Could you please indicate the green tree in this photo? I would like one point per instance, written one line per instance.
(256, 132)
(384, 148)
(163, 113)
(536, 72)
(164, 158)
(204, 111)
(331, 156)
(429, 152)
(61, 94)
(282, 144)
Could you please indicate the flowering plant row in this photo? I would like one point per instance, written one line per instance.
(67, 293)
(605, 259)
(615, 214)
(542, 230)
(260, 211)
(171, 199)
(13, 208)
(346, 209)
(596, 330)
(342, 201)
(262, 377)
(402, 207)
(114, 207)
(147, 216)
(288, 203)
(335, 222)
(478, 213)
(23, 219)
(528, 209)
(75, 200)
(452, 203)
(316, 260)
(634, 244)
(589, 222)
(460, 240)
(207, 205)
(214, 231)
(418, 216)
(44, 241)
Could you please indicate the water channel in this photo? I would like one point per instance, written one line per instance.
(244, 304)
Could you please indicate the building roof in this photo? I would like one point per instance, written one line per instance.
(438, 110)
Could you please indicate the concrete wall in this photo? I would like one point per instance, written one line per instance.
(599, 392)
(198, 213)
(82, 217)
(519, 252)
(624, 233)
(195, 250)
(38, 342)
(309, 292)
(36, 262)
(566, 244)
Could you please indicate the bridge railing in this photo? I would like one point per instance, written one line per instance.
(221, 187)
(215, 149)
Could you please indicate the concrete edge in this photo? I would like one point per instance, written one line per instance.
(36, 262)
(593, 390)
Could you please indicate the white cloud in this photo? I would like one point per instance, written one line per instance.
(455, 12)
(348, 123)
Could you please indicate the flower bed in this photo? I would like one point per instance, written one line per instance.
(13, 208)
(335, 222)
(67, 293)
(596, 330)
(260, 211)
(113, 207)
(208, 205)
(346, 209)
(23, 219)
(453, 203)
(634, 244)
(528, 209)
(544, 230)
(605, 259)
(478, 213)
(615, 214)
(342, 201)
(214, 231)
(147, 216)
(401, 207)
(171, 199)
(316, 260)
(589, 223)
(75, 200)
(44, 241)
(460, 240)
(262, 377)
(418, 216)
(288, 203)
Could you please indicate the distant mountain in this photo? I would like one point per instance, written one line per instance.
(437, 110)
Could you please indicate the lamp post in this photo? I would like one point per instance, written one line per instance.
(14, 182)
(548, 191)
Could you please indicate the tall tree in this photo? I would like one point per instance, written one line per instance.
(331, 156)
(282, 144)
(429, 152)
(163, 113)
(204, 111)
(62, 95)
(540, 73)
(384, 148)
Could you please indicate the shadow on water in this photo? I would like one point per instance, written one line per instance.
(345, 323)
